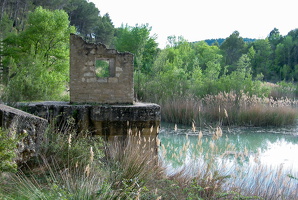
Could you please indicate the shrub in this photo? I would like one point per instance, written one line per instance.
(8, 146)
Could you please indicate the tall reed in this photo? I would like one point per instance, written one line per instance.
(231, 109)
(131, 165)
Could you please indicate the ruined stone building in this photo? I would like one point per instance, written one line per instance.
(98, 74)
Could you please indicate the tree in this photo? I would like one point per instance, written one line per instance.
(51, 5)
(233, 47)
(138, 41)
(280, 59)
(16, 10)
(84, 16)
(262, 63)
(206, 53)
(6, 25)
(37, 60)
(274, 38)
(294, 49)
(104, 31)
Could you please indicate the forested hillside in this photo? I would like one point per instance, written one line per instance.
(219, 41)
(35, 52)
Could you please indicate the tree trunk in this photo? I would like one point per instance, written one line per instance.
(2, 9)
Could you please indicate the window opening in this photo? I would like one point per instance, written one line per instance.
(102, 68)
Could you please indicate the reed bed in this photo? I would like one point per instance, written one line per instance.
(131, 168)
(225, 109)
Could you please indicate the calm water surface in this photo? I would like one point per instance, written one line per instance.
(271, 147)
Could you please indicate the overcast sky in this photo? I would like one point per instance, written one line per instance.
(204, 19)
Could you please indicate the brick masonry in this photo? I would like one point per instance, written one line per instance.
(86, 87)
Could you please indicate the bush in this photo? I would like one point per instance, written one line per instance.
(8, 147)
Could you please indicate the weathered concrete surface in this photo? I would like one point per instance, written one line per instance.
(18, 123)
(105, 120)
(86, 86)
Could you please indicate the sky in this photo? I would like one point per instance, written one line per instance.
(197, 20)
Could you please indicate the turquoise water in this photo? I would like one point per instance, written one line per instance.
(271, 147)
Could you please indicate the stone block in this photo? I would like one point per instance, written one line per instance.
(22, 123)
(113, 80)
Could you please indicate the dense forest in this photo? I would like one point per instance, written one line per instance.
(219, 41)
(35, 55)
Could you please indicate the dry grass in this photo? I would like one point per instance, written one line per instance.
(231, 109)
(132, 164)
(261, 115)
(127, 167)
(132, 170)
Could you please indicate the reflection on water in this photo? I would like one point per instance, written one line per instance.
(272, 147)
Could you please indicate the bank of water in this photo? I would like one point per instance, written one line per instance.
(248, 153)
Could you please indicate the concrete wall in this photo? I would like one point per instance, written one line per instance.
(18, 123)
(86, 86)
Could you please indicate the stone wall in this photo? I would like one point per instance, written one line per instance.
(30, 127)
(86, 86)
(102, 120)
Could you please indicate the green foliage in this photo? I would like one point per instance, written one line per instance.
(37, 62)
(104, 30)
(5, 26)
(52, 183)
(68, 148)
(170, 77)
(8, 146)
(184, 69)
(102, 68)
(233, 47)
(138, 41)
(261, 59)
(84, 16)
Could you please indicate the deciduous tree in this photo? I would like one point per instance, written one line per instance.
(37, 60)
(233, 47)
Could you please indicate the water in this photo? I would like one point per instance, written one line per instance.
(270, 147)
